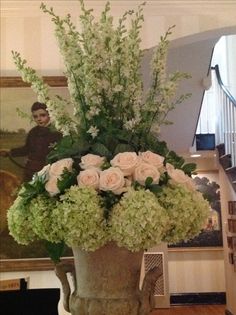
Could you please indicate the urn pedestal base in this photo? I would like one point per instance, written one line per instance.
(107, 283)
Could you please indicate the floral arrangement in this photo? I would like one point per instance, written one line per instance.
(109, 178)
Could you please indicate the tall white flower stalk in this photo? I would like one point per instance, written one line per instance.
(102, 66)
(160, 98)
(56, 106)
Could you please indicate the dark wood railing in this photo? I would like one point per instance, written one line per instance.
(226, 130)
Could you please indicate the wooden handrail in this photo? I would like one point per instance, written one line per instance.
(223, 87)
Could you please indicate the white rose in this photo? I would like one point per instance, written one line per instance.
(88, 178)
(112, 179)
(143, 171)
(44, 170)
(179, 177)
(190, 184)
(58, 167)
(126, 161)
(152, 158)
(51, 186)
(91, 160)
(169, 167)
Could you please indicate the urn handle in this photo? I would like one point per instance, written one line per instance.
(61, 270)
(146, 293)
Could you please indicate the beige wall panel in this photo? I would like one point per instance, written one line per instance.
(190, 24)
(33, 41)
(196, 271)
(12, 33)
(158, 27)
(208, 22)
(3, 44)
(39, 45)
(50, 55)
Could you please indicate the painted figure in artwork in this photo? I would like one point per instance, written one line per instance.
(38, 142)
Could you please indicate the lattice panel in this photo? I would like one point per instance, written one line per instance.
(152, 260)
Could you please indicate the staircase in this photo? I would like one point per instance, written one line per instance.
(226, 129)
(226, 163)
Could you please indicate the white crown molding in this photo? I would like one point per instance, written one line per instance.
(181, 7)
(123, 3)
(127, 2)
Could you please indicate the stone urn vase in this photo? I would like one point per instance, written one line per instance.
(106, 282)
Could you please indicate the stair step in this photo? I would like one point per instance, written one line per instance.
(231, 169)
(231, 172)
(221, 149)
(225, 161)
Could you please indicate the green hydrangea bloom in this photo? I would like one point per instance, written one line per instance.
(138, 221)
(46, 219)
(82, 216)
(20, 223)
(187, 212)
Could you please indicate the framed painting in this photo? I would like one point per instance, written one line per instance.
(211, 234)
(17, 96)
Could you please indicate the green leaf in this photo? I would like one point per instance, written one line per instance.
(175, 160)
(100, 149)
(68, 147)
(136, 185)
(122, 135)
(122, 147)
(108, 201)
(55, 250)
(33, 189)
(156, 188)
(148, 182)
(66, 180)
(189, 168)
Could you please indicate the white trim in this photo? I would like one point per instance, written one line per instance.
(128, 2)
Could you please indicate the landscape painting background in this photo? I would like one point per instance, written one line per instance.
(211, 235)
(13, 132)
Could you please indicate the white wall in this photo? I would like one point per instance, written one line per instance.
(194, 271)
(26, 29)
(231, 45)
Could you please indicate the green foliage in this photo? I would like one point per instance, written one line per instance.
(32, 189)
(100, 149)
(123, 147)
(154, 188)
(189, 168)
(66, 180)
(148, 182)
(174, 159)
(68, 147)
(109, 199)
(55, 250)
